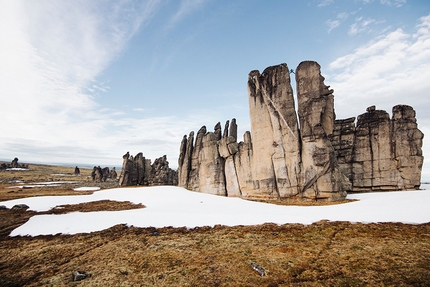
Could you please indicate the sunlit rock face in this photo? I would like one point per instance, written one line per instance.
(305, 154)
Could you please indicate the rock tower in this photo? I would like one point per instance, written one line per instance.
(305, 154)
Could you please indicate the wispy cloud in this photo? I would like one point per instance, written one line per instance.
(332, 24)
(52, 53)
(323, 3)
(363, 25)
(395, 3)
(186, 8)
(393, 69)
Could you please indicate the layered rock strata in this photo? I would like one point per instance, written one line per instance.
(321, 160)
(139, 171)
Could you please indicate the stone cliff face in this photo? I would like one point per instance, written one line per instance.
(380, 153)
(323, 159)
(139, 171)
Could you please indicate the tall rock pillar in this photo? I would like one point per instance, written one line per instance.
(321, 178)
(275, 135)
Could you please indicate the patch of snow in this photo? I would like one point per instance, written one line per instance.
(53, 182)
(16, 169)
(62, 174)
(178, 207)
(87, 188)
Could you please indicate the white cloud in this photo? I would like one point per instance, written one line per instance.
(332, 24)
(186, 8)
(395, 3)
(361, 25)
(336, 23)
(393, 69)
(325, 3)
(51, 54)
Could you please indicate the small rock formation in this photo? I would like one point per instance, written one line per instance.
(77, 171)
(161, 174)
(113, 175)
(14, 164)
(139, 171)
(97, 174)
(321, 160)
(105, 173)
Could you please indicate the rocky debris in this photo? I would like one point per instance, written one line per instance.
(260, 270)
(77, 171)
(79, 275)
(139, 171)
(3, 207)
(321, 160)
(20, 207)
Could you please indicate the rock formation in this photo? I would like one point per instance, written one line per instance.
(380, 153)
(14, 164)
(139, 171)
(321, 160)
(97, 174)
(113, 175)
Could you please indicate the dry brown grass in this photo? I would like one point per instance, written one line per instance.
(45, 173)
(321, 254)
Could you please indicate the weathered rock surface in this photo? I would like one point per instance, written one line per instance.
(139, 171)
(380, 153)
(319, 170)
(275, 137)
(322, 160)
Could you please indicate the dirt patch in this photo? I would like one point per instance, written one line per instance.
(101, 205)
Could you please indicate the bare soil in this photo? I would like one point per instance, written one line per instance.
(321, 254)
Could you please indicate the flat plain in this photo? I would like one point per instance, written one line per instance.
(321, 254)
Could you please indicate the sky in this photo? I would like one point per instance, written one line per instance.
(86, 81)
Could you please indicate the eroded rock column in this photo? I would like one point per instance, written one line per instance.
(321, 176)
(275, 137)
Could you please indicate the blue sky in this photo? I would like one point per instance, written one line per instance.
(86, 81)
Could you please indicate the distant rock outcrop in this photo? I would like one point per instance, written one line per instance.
(321, 160)
(139, 171)
(14, 164)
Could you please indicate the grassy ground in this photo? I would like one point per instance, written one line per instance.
(321, 254)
